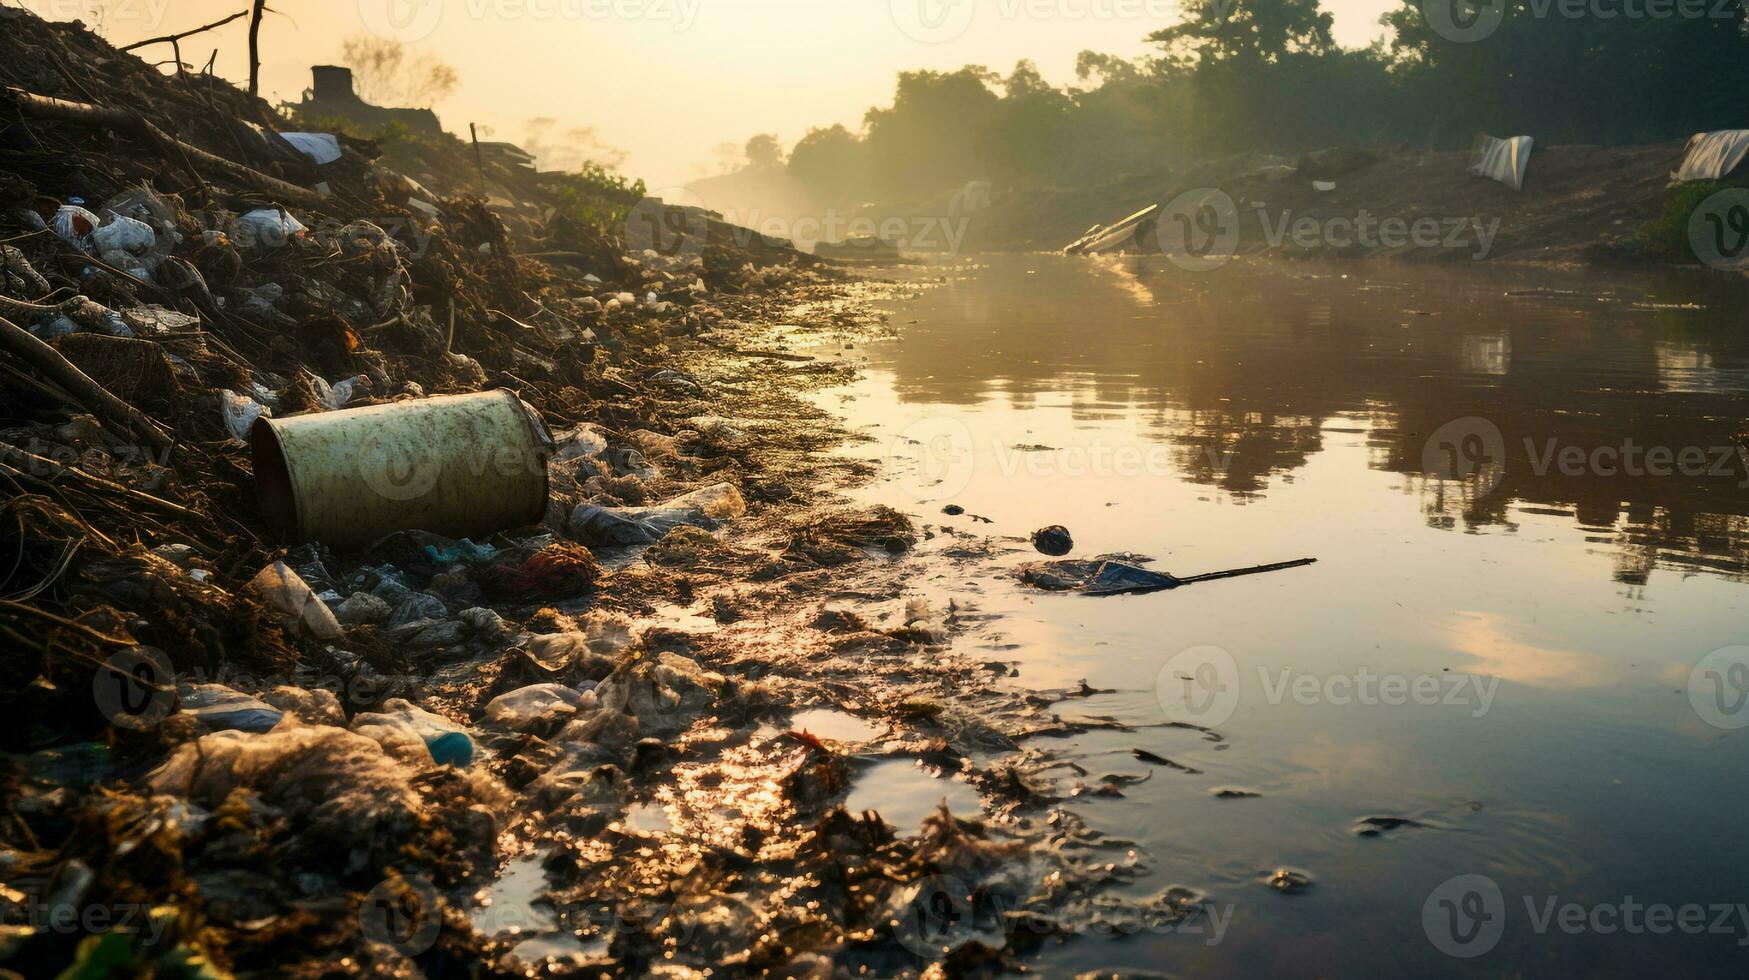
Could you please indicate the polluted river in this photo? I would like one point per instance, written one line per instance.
(1511, 686)
(424, 554)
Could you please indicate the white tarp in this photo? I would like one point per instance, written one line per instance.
(324, 148)
(1502, 160)
(1713, 155)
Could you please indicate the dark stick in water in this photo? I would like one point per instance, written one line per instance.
(1252, 570)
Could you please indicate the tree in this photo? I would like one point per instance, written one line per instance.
(1589, 79)
(1215, 31)
(764, 151)
(1105, 69)
(383, 73)
(832, 164)
(1028, 134)
(924, 144)
(255, 12)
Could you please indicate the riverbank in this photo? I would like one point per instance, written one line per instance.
(622, 739)
(1579, 206)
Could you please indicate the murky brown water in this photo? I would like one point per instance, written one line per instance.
(1510, 648)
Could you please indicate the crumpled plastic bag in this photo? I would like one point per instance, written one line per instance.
(285, 591)
(322, 148)
(314, 706)
(705, 508)
(584, 441)
(240, 413)
(337, 395)
(718, 428)
(75, 224)
(1102, 575)
(411, 733)
(662, 692)
(124, 234)
(415, 607)
(537, 706)
(221, 708)
(362, 608)
(267, 228)
(335, 786)
(127, 244)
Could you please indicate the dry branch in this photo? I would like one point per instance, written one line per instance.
(173, 38)
(62, 110)
(88, 394)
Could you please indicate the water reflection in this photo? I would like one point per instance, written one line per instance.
(1590, 385)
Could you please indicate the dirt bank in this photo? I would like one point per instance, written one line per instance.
(1579, 205)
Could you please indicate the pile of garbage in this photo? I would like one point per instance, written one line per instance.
(342, 510)
(188, 286)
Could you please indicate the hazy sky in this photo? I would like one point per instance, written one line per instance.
(668, 80)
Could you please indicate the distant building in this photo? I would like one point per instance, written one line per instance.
(332, 94)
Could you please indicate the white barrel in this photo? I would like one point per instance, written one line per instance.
(456, 465)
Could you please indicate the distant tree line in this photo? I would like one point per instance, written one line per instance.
(1266, 75)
